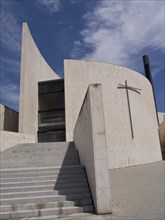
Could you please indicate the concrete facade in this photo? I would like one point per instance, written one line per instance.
(8, 119)
(123, 150)
(90, 141)
(33, 70)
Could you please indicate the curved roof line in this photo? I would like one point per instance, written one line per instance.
(93, 61)
(26, 28)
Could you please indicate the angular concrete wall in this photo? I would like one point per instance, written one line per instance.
(8, 119)
(11, 120)
(9, 139)
(123, 150)
(90, 141)
(33, 69)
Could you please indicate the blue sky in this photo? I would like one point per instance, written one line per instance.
(118, 32)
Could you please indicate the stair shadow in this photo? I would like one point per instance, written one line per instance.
(72, 180)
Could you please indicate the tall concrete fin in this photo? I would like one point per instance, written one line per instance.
(34, 68)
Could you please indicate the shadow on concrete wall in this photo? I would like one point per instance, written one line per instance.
(10, 120)
(72, 181)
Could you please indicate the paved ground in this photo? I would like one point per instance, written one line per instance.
(138, 193)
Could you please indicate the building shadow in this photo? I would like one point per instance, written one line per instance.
(72, 181)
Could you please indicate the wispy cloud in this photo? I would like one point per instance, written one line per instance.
(10, 39)
(74, 2)
(78, 49)
(52, 6)
(10, 31)
(10, 95)
(11, 65)
(116, 31)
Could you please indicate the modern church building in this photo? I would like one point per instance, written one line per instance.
(107, 110)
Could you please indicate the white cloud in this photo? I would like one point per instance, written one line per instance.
(9, 86)
(10, 94)
(10, 65)
(118, 30)
(72, 2)
(78, 48)
(10, 31)
(53, 6)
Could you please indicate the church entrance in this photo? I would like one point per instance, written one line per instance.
(51, 111)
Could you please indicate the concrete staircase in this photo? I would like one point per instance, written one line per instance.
(43, 181)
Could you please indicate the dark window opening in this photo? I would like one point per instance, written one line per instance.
(51, 114)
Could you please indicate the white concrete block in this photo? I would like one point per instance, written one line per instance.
(90, 140)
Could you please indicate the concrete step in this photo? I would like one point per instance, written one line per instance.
(32, 199)
(75, 216)
(41, 173)
(60, 174)
(55, 178)
(44, 212)
(43, 182)
(41, 212)
(48, 198)
(83, 202)
(28, 194)
(73, 191)
(40, 168)
(60, 147)
(37, 189)
(42, 193)
(39, 151)
(43, 187)
(32, 206)
(40, 163)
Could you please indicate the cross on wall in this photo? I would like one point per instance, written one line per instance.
(126, 87)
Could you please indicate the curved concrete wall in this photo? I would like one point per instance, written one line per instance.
(123, 151)
(33, 69)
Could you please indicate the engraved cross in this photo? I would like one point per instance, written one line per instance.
(120, 86)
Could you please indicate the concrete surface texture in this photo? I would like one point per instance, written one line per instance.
(161, 116)
(123, 150)
(33, 69)
(8, 119)
(90, 141)
(2, 113)
(9, 139)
